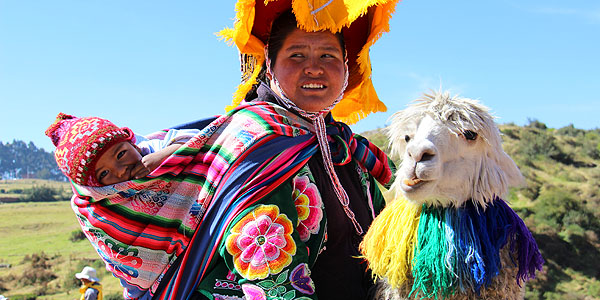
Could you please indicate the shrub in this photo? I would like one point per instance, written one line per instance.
(38, 271)
(77, 235)
(34, 276)
(536, 143)
(570, 130)
(559, 210)
(42, 194)
(510, 133)
(534, 123)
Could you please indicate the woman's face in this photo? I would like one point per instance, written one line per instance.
(310, 69)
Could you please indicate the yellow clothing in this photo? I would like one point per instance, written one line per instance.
(91, 284)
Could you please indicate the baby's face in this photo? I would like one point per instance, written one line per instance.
(121, 162)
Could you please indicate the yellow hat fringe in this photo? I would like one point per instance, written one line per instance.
(389, 243)
(316, 15)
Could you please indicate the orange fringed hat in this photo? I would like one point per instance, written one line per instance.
(361, 22)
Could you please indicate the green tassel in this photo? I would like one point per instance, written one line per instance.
(431, 277)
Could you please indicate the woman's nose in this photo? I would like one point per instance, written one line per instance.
(313, 67)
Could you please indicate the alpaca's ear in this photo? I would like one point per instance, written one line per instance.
(497, 172)
(514, 176)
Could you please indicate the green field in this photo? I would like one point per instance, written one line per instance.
(18, 188)
(32, 228)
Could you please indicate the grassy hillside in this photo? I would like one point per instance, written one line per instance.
(560, 204)
(35, 242)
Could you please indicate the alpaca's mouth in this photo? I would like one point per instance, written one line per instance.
(412, 182)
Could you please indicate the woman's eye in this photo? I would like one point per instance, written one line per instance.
(120, 154)
(470, 135)
(102, 175)
(407, 138)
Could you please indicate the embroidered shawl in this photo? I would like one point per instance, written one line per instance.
(159, 234)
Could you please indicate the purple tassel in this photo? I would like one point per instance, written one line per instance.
(529, 256)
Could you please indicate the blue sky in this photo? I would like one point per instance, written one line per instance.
(152, 64)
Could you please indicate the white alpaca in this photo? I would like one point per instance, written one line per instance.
(444, 241)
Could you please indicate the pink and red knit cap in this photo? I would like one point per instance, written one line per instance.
(80, 142)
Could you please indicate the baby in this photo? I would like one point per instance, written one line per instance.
(139, 234)
(93, 151)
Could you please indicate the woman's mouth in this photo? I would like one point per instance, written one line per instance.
(313, 86)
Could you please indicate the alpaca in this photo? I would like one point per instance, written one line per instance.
(449, 234)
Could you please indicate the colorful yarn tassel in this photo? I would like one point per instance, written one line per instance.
(520, 239)
(432, 277)
(470, 265)
(448, 250)
(389, 244)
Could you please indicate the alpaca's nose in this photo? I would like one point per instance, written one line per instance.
(421, 152)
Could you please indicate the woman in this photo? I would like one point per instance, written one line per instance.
(299, 238)
(307, 75)
(285, 192)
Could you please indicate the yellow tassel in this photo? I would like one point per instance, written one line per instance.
(389, 243)
(317, 15)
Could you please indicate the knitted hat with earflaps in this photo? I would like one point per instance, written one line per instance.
(361, 23)
(80, 142)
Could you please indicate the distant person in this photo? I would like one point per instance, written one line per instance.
(90, 289)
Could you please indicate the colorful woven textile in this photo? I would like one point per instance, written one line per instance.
(448, 250)
(233, 162)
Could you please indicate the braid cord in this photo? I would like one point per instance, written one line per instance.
(318, 119)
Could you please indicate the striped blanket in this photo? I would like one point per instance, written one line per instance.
(159, 234)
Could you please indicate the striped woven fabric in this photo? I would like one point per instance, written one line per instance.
(181, 210)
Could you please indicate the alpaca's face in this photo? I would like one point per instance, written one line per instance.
(437, 163)
(451, 153)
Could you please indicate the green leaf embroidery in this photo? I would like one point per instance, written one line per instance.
(267, 284)
(282, 277)
(289, 295)
(281, 290)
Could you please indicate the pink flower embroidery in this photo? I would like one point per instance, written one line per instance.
(309, 206)
(261, 243)
(253, 292)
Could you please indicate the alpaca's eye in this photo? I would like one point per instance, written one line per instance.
(470, 135)
(407, 138)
